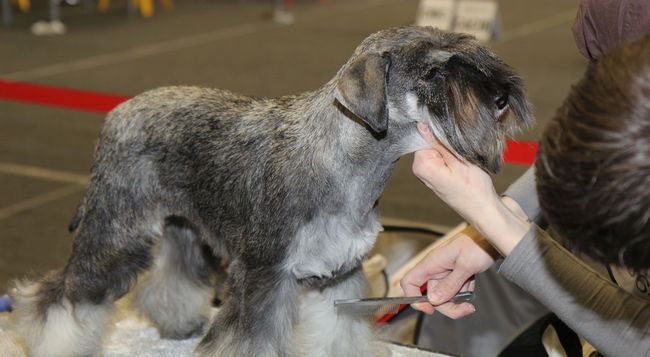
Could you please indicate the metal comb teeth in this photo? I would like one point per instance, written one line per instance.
(380, 306)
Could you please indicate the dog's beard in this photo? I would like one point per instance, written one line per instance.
(472, 130)
(467, 106)
(475, 131)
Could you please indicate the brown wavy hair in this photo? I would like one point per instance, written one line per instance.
(593, 167)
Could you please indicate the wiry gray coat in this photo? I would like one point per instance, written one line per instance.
(284, 189)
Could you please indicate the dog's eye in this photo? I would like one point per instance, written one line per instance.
(433, 73)
(501, 101)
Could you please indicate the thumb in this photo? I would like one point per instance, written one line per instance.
(426, 134)
(447, 156)
(441, 291)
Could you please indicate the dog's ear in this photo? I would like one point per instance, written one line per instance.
(362, 90)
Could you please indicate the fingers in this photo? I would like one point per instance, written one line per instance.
(445, 277)
(424, 307)
(413, 280)
(456, 311)
(429, 154)
(453, 310)
(430, 167)
(430, 164)
(411, 286)
(426, 134)
(449, 309)
(449, 157)
(441, 291)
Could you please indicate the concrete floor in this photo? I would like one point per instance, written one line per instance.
(227, 44)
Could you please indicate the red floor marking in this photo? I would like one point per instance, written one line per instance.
(517, 152)
(59, 97)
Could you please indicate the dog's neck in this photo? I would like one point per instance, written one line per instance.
(324, 114)
(362, 159)
(354, 139)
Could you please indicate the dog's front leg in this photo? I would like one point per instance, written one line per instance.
(257, 318)
(322, 331)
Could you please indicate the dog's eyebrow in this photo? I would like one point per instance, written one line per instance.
(440, 55)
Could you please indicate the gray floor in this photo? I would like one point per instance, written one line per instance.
(228, 44)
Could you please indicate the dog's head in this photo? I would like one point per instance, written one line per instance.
(469, 97)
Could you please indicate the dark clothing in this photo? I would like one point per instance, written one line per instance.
(604, 24)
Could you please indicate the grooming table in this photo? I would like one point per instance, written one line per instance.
(131, 336)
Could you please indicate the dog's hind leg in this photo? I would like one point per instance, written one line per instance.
(66, 312)
(257, 317)
(323, 331)
(177, 294)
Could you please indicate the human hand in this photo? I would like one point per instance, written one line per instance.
(469, 191)
(448, 269)
(465, 187)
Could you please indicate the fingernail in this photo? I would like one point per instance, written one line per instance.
(423, 128)
(434, 296)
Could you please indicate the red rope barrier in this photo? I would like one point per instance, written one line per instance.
(59, 97)
(517, 152)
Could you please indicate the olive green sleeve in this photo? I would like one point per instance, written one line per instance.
(611, 319)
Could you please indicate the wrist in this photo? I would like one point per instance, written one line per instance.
(514, 207)
(472, 233)
(502, 228)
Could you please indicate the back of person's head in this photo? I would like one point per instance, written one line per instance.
(593, 168)
(601, 25)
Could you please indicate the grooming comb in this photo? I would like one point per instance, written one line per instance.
(390, 306)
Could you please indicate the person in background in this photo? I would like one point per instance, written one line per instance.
(591, 128)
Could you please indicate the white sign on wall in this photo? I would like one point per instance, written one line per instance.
(436, 13)
(479, 18)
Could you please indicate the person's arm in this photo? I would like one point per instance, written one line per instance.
(469, 191)
(592, 306)
(613, 320)
(524, 193)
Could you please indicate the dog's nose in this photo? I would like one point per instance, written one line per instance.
(501, 101)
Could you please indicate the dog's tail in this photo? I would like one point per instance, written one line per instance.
(76, 219)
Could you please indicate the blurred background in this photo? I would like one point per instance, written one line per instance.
(256, 47)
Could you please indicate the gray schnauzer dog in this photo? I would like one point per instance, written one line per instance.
(284, 190)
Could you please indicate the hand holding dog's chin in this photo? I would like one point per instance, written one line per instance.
(468, 190)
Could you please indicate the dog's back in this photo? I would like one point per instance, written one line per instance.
(231, 163)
